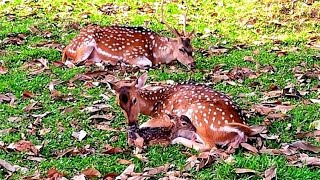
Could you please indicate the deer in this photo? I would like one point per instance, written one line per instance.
(181, 127)
(218, 120)
(137, 46)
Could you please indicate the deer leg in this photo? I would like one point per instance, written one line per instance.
(156, 122)
(142, 62)
(190, 144)
(83, 53)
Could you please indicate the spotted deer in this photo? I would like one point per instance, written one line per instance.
(216, 118)
(137, 46)
(181, 127)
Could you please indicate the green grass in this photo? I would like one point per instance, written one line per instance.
(226, 21)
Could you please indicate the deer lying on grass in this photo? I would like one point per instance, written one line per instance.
(216, 118)
(132, 45)
(181, 127)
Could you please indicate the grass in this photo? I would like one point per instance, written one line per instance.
(229, 22)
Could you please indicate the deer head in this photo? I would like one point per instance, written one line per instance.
(128, 98)
(181, 44)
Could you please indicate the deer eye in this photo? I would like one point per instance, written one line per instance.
(134, 101)
(181, 50)
(184, 123)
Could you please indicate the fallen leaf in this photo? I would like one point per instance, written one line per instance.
(96, 108)
(265, 109)
(74, 151)
(55, 174)
(150, 172)
(249, 59)
(311, 161)
(308, 134)
(91, 173)
(8, 97)
(38, 159)
(110, 176)
(112, 150)
(25, 146)
(258, 129)
(5, 131)
(249, 147)
(124, 161)
(3, 70)
(126, 172)
(243, 171)
(315, 124)
(305, 146)
(79, 135)
(31, 106)
(315, 100)
(107, 117)
(27, 94)
(270, 173)
(79, 177)
(7, 166)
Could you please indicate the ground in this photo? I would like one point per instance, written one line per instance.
(244, 34)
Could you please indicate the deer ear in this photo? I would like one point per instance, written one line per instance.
(141, 80)
(114, 86)
(185, 119)
(170, 116)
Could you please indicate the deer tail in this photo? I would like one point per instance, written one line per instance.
(242, 127)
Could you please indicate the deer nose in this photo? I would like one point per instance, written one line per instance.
(192, 65)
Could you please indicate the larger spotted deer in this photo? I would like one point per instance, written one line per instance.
(216, 118)
(137, 46)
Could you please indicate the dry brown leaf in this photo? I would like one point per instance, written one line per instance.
(249, 147)
(150, 172)
(249, 59)
(54, 174)
(244, 170)
(104, 126)
(124, 161)
(126, 172)
(38, 159)
(138, 142)
(58, 63)
(308, 134)
(265, 109)
(270, 173)
(107, 117)
(31, 106)
(110, 176)
(8, 97)
(3, 70)
(305, 146)
(25, 146)
(27, 94)
(91, 173)
(270, 151)
(7, 166)
(112, 150)
(74, 151)
(311, 161)
(258, 129)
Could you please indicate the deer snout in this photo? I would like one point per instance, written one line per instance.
(192, 65)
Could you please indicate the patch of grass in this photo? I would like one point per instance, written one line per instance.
(259, 24)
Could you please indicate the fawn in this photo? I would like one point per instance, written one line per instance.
(181, 127)
(216, 118)
(137, 46)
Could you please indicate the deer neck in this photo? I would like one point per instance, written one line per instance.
(163, 49)
(150, 100)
